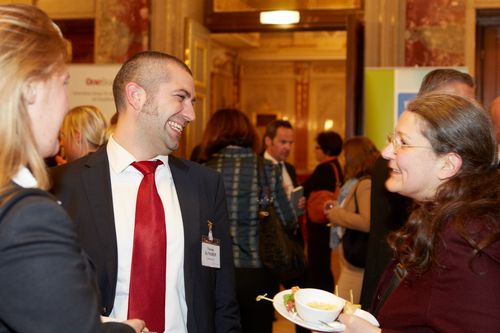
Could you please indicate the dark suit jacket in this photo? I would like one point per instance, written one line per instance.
(293, 175)
(45, 278)
(388, 213)
(84, 187)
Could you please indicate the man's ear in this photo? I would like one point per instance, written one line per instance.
(29, 92)
(452, 162)
(136, 95)
(267, 141)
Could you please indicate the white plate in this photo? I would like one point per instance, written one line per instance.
(279, 305)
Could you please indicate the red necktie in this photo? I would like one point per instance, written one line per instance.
(147, 278)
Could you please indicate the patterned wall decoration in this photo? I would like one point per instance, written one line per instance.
(253, 5)
(435, 33)
(122, 29)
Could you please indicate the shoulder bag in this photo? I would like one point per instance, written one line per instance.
(279, 250)
(355, 242)
(317, 200)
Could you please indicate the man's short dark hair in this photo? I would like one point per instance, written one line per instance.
(147, 69)
(272, 127)
(441, 77)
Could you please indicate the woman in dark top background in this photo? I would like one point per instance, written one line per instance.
(328, 147)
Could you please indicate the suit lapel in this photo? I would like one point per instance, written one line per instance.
(291, 171)
(189, 203)
(97, 186)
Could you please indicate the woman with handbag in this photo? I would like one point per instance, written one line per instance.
(229, 145)
(324, 182)
(352, 214)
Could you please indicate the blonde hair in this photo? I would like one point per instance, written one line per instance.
(89, 122)
(31, 49)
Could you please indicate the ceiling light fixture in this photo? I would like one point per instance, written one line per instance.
(280, 17)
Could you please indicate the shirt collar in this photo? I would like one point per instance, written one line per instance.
(268, 156)
(120, 159)
(25, 178)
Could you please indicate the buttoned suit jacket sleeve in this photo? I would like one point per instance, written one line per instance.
(46, 280)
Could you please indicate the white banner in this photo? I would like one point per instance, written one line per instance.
(91, 84)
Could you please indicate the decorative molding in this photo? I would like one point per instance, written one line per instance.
(265, 69)
(250, 21)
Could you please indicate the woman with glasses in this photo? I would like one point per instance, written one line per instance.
(444, 156)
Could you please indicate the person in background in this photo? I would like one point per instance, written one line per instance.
(83, 131)
(353, 214)
(328, 147)
(389, 211)
(443, 155)
(229, 145)
(142, 213)
(495, 117)
(112, 125)
(47, 281)
(278, 141)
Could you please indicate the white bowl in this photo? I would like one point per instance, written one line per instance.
(316, 305)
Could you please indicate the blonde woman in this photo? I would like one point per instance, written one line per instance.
(82, 132)
(46, 280)
(353, 214)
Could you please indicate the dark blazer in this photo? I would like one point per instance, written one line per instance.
(46, 280)
(293, 175)
(84, 187)
(389, 212)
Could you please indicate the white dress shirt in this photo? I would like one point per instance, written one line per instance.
(125, 181)
(287, 180)
(24, 178)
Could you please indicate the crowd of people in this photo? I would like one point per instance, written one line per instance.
(122, 236)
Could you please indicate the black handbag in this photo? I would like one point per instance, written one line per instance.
(355, 242)
(279, 249)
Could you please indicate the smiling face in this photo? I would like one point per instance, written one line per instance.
(167, 111)
(47, 106)
(414, 171)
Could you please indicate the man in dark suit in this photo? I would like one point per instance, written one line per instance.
(278, 140)
(154, 96)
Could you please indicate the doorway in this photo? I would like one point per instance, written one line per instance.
(487, 55)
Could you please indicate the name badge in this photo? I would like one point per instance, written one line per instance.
(210, 249)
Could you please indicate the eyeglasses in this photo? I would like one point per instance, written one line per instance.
(397, 144)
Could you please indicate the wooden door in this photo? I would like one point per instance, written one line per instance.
(488, 56)
(196, 55)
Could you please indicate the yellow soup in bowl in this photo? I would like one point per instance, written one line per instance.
(322, 306)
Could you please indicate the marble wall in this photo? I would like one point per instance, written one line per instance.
(435, 33)
(122, 29)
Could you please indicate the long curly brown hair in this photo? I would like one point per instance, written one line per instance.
(453, 124)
